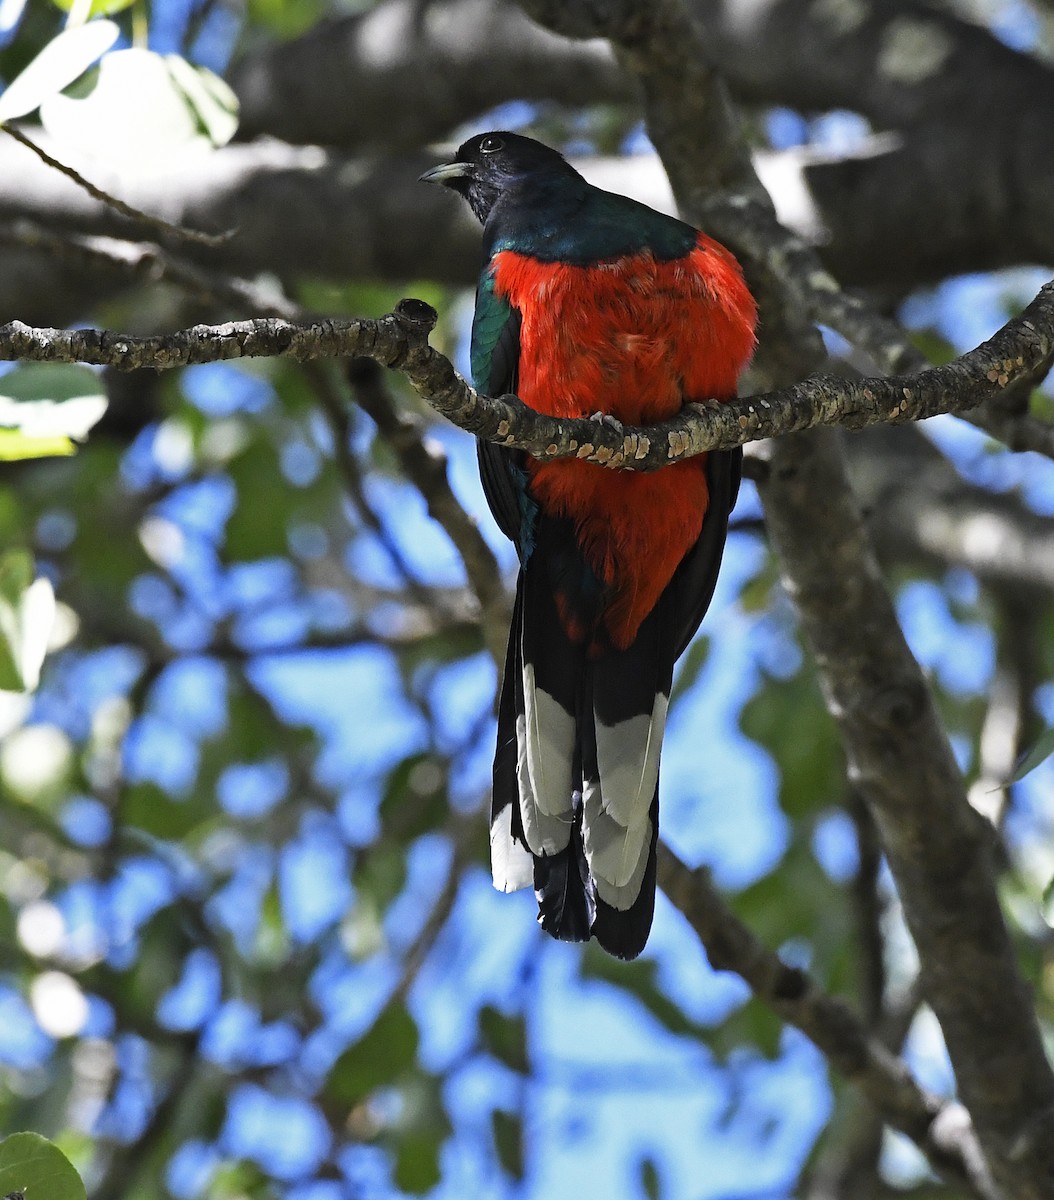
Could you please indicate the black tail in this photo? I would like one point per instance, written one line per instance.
(575, 808)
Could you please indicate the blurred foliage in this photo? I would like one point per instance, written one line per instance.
(248, 944)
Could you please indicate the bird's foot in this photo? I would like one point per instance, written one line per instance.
(607, 419)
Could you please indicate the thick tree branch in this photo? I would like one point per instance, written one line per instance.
(920, 511)
(941, 1130)
(1021, 351)
(965, 184)
(899, 757)
(403, 73)
(339, 217)
(970, 184)
(939, 850)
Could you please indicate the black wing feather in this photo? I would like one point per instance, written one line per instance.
(501, 470)
(696, 577)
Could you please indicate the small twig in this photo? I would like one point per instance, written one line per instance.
(336, 413)
(1009, 722)
(417, 952)
(846, 1162)
(126, 210)
(425, 464)
(155, 264)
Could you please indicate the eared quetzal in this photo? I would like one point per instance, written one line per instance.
(591, 303)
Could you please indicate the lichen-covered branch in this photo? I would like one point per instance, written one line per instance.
(1021, 352)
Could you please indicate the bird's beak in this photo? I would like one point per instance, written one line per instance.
(445, 172)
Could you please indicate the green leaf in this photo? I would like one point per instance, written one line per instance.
(105, 124)
(754, 1026)
(385, 1051)
(51, 401)
(211, 100)
(505, 1037)
(15, 446)
(16, 574)
(149, 808)
(36, 1167)
(788, 718)
(1041, 750)
(52, 381)
(417, 1160)
(256, 530)
(380, 875)
(272, 944)
(163, 944)
(639, 980)
(796, 900)
(287, 18)
(99, 8)
(935, 347)
(417, 1135)
(414, 800)
(649, 1178)
(690, 668)
(62, 60)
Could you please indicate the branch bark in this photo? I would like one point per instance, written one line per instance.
(967, 186)
(340, 217)
(1021, 351)
(941, 1130)
(939, 849)
(970, 185)
(404, 73)
(920, 511)
(899, 757)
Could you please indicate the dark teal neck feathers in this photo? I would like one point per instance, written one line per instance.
(559, 217)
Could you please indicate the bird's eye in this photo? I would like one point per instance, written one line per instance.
(491, 145)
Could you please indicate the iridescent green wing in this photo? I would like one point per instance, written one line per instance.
(495, 356)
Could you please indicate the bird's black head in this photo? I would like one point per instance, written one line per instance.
(490, 166)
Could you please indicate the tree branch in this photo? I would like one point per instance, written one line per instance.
(939, 1129)
(898, 753)
(919, 510)
(940, 851)
(1021, 351)
(425, 465)
(404, 73)
(137, 216)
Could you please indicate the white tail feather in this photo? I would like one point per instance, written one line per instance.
(511, 864)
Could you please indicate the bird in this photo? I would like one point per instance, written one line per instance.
(591, 304)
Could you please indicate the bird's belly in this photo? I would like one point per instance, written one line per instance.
(633, 337)
(633, 528)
